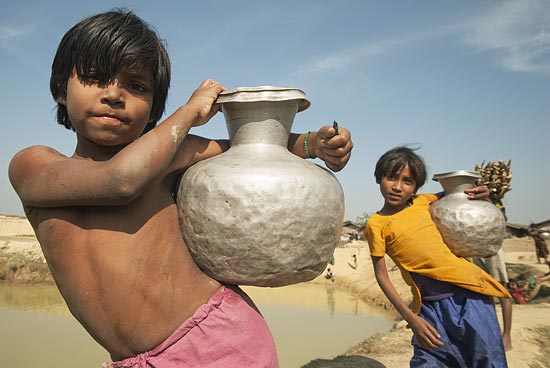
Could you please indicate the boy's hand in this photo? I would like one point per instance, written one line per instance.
(479, 192)
(202, 101)
(334, 150)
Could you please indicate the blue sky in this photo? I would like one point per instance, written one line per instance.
(466, 80)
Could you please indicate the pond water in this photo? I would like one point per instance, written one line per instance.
(308, 321)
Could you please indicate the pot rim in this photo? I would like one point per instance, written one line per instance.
(264, 93)
(450, 174)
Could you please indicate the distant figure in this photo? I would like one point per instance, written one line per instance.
(330, 275)
(520, 294)
(541, 247)
(354, 259)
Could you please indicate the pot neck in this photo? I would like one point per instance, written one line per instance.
(260, 122)
(457, 184)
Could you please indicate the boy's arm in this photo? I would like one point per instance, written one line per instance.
(334, 149)
(195, 149)
(43, 177)
(426, 334)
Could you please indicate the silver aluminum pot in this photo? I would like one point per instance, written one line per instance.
(470, 228)
(257, 214)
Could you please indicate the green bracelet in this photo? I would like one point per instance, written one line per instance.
(306, 146)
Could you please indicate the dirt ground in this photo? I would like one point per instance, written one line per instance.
(530, 324)
(21, 261)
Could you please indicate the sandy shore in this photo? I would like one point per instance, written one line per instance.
(21, 261)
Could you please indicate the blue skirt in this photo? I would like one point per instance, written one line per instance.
(469, 329)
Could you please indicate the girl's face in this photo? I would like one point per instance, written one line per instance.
(397, 190)
(114, 114)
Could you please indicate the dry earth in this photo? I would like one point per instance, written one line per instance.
(530, 324)
(21, 261)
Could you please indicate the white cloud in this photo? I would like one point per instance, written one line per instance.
(11, 33)
(518, 30)
(17, 44)
(361, 53)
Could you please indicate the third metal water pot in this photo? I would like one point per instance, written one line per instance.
(470, 228)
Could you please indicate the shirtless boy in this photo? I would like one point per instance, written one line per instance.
(106, 217)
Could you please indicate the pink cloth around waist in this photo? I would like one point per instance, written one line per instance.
(226, 332)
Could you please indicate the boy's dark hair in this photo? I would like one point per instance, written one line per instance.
(104, 44)
(393, 161)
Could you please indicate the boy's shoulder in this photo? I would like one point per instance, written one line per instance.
(34, 153)
(34, 156)
(37, 150)
(31, 159)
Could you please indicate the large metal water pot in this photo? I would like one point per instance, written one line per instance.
(257, 214)
(470, 228)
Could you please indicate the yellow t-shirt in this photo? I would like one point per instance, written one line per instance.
(412, 240)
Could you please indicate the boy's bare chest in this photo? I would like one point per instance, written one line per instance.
(69, 227)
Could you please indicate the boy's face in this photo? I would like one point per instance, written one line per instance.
(114, 114)
(398, 189)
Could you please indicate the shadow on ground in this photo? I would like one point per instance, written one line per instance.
(351, 361)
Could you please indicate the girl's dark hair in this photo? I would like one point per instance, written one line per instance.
(393, 161)
(104, 44)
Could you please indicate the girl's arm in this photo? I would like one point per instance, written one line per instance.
(425, 333)
(479, 192)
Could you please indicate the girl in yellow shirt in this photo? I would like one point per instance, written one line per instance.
(452, 316)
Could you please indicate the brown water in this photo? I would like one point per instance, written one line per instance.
(307, 321)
